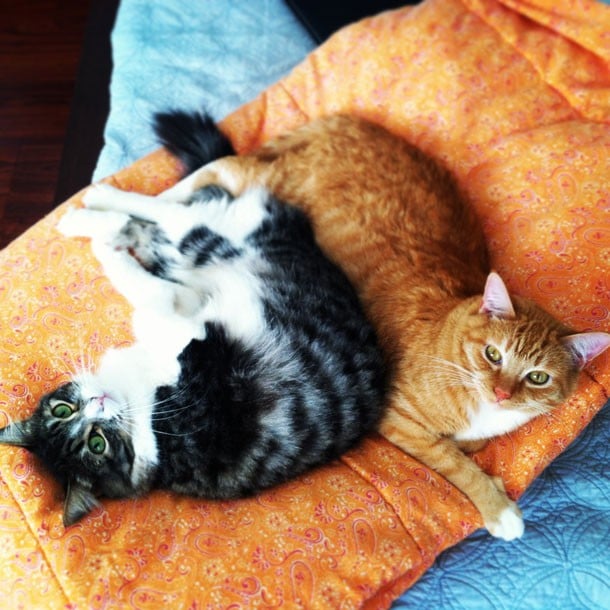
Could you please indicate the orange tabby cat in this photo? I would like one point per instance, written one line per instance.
(469, 362)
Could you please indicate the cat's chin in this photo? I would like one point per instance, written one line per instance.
(488, 419)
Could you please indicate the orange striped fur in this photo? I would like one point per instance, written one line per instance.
(397, 224)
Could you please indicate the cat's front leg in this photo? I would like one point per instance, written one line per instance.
(125, 273)
(472, 446)
(143, 289)
(162, 310)
(138, 286)
(500, 514)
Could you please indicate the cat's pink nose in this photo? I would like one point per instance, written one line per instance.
(501, 394)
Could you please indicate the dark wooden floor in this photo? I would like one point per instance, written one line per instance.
(40, 49)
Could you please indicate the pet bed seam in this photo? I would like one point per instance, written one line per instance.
(29, 525)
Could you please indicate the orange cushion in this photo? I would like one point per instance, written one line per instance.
(515, 97)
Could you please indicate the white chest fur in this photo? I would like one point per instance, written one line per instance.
(491, 420)
(131, 376)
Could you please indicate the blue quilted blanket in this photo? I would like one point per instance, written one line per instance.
(186, 55)
(222, 54)
(561, 563)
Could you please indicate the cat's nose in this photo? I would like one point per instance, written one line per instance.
(501, 394)
(96, 403)
(95, 406)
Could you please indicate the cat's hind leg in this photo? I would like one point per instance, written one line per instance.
(173, 219)
(101, 226)
(233, 219)
(106, 198)
(227, 172)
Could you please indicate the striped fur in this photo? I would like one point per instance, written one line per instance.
(253, 360)
(398, 225)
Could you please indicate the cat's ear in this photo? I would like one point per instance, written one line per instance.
(19, 434)
(586, 346)
(80, 501)
(496, 300)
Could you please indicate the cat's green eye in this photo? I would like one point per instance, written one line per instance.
(493, 354)
(62, 410)
(96, 443)
(538, 377)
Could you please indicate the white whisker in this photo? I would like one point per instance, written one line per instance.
(133, 409)
(176, 434)
(452, 373)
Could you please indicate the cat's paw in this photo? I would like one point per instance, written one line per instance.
(98, 196)
(508, 525)
(79, 222)
(69, 224)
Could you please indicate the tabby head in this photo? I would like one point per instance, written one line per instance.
(521, 357)
(81, 438)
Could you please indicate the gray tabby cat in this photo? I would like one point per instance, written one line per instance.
(252, 362)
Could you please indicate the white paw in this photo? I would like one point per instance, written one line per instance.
(78, 222)
(508, 525)
(99, 195)
(69, 224)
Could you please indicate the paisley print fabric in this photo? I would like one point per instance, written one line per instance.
(515, 98)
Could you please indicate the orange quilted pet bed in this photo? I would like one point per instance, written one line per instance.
(515, 97)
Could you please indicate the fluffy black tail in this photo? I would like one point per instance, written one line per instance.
(194, 138)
